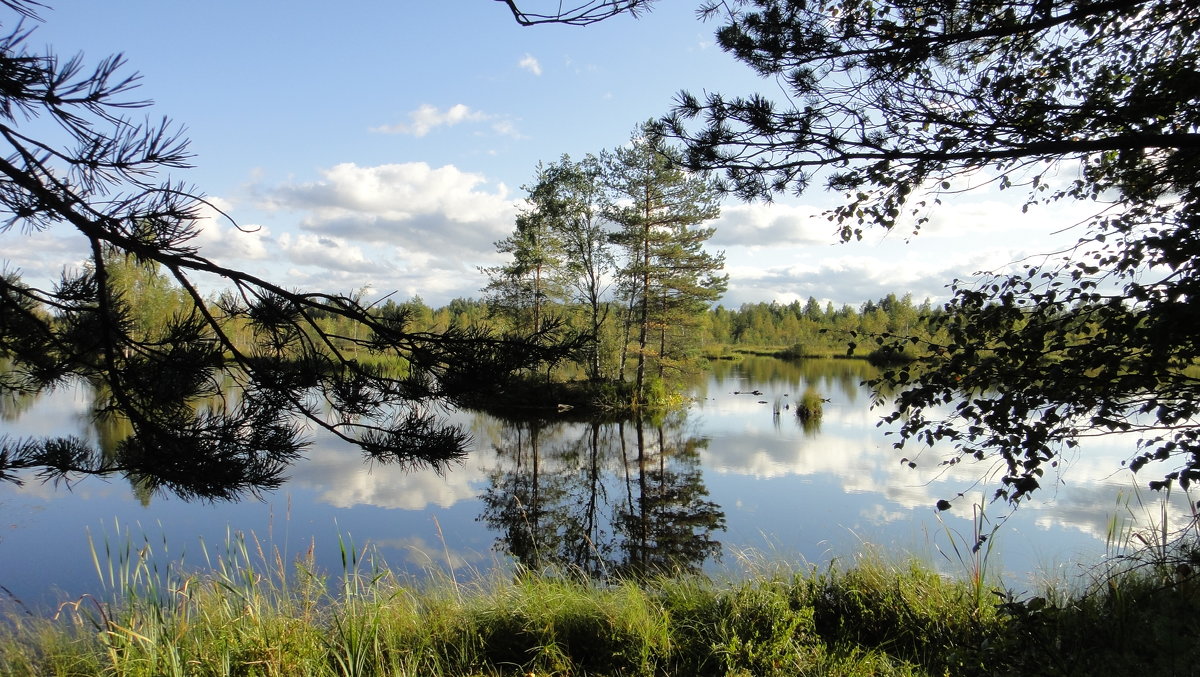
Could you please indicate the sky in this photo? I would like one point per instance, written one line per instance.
(383, 145)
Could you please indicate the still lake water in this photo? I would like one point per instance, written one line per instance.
(704, 488)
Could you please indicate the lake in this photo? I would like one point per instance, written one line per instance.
(735, 478)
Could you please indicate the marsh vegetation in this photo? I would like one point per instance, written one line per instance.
(250, 612)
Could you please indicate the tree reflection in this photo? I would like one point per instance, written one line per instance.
(522, 501)
(602, 499)
(668, 525)
(13, 401)
(774, 376)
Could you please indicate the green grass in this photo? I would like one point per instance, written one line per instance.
(811, 406)
(245, 611)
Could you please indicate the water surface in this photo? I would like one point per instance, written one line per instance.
(736, 477)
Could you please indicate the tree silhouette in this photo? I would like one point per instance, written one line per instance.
(74, 158)
(899, 105)
(575, 14)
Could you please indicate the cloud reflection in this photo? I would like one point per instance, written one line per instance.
(342, 480)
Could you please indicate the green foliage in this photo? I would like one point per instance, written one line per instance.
(523, 288)
(631, 214)
(758, 628)
(248, 612)
(133, 322)
(557, 626)
(667, 279)
(811, 331)
(898, 106)
(811, 407)
(911, 613)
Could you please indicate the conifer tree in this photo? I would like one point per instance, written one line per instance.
(666, 277)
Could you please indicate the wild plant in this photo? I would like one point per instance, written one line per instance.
(973, 554)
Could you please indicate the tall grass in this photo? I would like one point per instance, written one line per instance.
(972, 554)
(247, 611)
(811, 406)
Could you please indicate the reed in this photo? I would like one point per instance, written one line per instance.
(811, 406)
(245, 610)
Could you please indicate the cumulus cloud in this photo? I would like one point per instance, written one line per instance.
(426, 118)
(407, 228)
(770, 225)
(529, 63)
(846, 279)
(220, 239)
(435, 284)
(439, 211)
(329, 253)
(40, 257)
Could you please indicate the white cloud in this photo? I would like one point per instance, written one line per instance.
(529, 63)
(770, 225)
(40, 257)
(426, 118)
(442, 211)
(436, 283)
(329, 253)
(506, 128)
(851, 278)
(409, 228)
(220, 239)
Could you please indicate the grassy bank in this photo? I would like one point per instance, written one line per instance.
(249, 613)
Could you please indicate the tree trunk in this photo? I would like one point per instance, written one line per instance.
(644, 319)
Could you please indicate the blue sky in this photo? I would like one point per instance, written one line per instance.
(384, 144)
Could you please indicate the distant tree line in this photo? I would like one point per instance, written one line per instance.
(802, 329)
(811, 328)
(815, 329)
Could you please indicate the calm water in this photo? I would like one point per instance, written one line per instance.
(726, 479)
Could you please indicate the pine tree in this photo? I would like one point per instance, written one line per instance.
(522, 288)
(666, 277)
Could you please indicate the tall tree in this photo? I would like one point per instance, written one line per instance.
(666, 275)
(522, 288)
(72, 158)
(893, 102)
(587, 264)
(559, 250)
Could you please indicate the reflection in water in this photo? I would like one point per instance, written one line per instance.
(14, 403)
(611, 499)
(773, 376)
(669, 527)
(604, 499)
(111, 431)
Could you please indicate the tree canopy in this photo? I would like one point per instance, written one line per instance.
(630, 220)
(666, 279)
(219, 395)
(898, 105)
